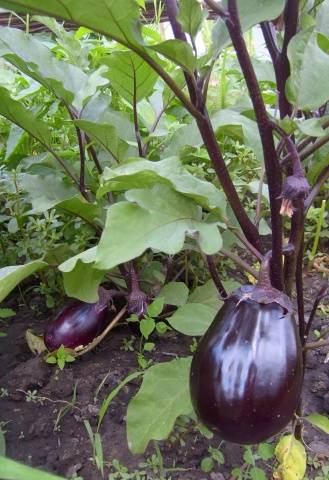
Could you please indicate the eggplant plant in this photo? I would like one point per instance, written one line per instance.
(151, 173)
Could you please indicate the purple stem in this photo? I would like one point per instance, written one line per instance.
(272, 165)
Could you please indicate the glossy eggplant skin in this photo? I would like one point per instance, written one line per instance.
(77, 324)
(246, 375)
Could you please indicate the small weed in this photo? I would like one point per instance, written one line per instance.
(215, 456)
(31, 396)
(60, 357)
(4, 392)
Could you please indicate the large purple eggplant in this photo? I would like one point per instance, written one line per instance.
(77, 324)
(246, 375)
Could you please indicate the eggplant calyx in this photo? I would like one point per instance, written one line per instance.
(137, 303)
(263, 291)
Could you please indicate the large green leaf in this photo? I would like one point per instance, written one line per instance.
(68, 82)
(251, 12)
(195, 317)
(83, 282)
(163, 396)
(130, 75)
(118, 20)
(192, 319)
(16, 113)
(144, 173)
(309, 65)
(11, 470)
(78, 206)
(81, 278)
(11, 276)
(157, 218)
(179, 52)
(45, 192)
(174, 293)
(191, 16)
(190, 135)
(106, 135)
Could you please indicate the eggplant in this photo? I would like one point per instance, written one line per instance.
(77, 324)
(247, 372)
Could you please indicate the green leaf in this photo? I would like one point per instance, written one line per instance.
(67, 81)
(265, 451)
(145, 173)
(82, 282)
(207, 294)
(146, 326)
(78, 206)
(305, 87)
(207, 464)
(45, 192)
(312, 127)
(106, 135)
(251, 12)
(11, 470)
(161, 327)
(291, 456)
(81, 279)
(221, 120)
(179, 52)
(16, 113)
(164, 395)
(156, 307)
(192, 319)
(156, 218)
(174, 293)
(319, 421)
(130, 75)
(7, 313)
(11, 276)
(118, 20)
(248, 456)
(148, 346)
(257, 474)
(191, 16)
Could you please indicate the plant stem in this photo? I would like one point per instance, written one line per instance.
(318, 344)
(296, 239)
(216, 8)
(238, 260)
(137, 131)
(300, 291)
(272, 166)
(283, 66)
(172, 11)
(212, 267)
(321, 294)
(292, 149)
(322, 178)
(247, 244)
(210, 142)
(81, 143)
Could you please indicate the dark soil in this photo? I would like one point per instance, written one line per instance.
(36, 438)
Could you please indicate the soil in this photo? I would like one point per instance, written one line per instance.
(36, 437)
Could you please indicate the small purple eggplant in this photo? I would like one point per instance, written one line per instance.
(77, 324)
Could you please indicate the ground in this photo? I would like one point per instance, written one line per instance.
(33, 394)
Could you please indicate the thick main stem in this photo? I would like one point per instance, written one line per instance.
(272, 166)
(296, 239)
